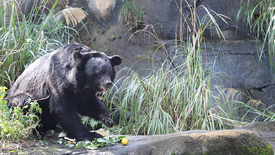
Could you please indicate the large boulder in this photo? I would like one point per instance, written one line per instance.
(225, 142)
(237, 65)
(99, 10)
(215, 142)
(165, 14)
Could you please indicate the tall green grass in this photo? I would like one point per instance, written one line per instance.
(130, 14)
(22, 41)
(252, 111)
(172, 98)
(168, 100)
(258, 16)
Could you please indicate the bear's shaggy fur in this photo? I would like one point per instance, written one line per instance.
(65, 83)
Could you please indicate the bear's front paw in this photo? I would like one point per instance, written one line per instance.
(95, 135)
(87, 136)
(107, 121)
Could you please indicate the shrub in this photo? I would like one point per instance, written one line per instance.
(17, 123)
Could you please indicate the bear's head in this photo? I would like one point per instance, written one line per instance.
(98, 68)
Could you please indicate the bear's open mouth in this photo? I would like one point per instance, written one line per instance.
(104, 88)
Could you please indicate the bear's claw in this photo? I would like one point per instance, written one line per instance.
(107, 121)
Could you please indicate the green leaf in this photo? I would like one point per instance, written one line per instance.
(54, 5)
(80, 144)
(120, 137)
(3, 89)
(70, 145)
(101, 140)
(60, 141)
(50, 132)
(91, 147)
(40, 110)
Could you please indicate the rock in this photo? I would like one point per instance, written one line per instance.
(165, 15)
(265, 129)
(100, 10)
(102, 7)
(215, 142)
(237, 65)
(236, 58)
(24, 7)
(251, 139)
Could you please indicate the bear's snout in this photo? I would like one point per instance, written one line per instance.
(108, 84)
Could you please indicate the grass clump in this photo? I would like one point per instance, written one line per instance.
(130, 14)
(22, 41)
(259, 17)
(163, 102)
(258, 110)
(168, 101)
(17, 123)
(172, 98)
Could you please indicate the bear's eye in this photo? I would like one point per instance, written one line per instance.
(99, 73)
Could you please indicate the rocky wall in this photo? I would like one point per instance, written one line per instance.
(235, 56)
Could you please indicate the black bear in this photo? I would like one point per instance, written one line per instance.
(65, 83)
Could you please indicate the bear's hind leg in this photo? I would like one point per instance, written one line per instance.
(47, 122)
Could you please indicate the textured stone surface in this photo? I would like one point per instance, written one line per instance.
(164, 14)
(236, 60)
(98, 10)
(238, 66)
(237, 63)
(215, 142)
(102, 7)
(254, 137)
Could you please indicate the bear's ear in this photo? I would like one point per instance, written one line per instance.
(77, 56)
(115, 60)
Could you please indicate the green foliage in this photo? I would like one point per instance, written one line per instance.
(130, 13)
(22, 41)
(17, 123)
(259, 111)
(172, 98)
(259, 17)
(167, 101)
(87, 121)
(99, 142)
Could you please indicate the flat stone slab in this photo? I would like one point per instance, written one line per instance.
(214, 142)
(253, 138)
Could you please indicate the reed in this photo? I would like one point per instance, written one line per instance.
(172, 98)
(22, 41)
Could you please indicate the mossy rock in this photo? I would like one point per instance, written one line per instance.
(112, 38)
(213, 143)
